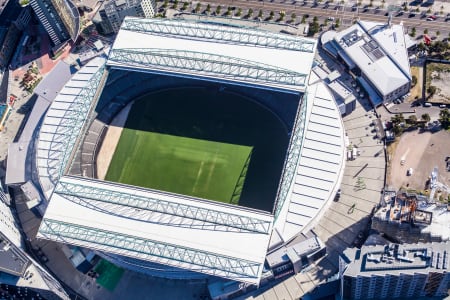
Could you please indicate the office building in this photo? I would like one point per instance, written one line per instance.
(376, 55)
(395, 271)
(112, 12)
(60, 19)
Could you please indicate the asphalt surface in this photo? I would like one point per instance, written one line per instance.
(347, 13)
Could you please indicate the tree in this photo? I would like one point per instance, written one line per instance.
(413, 32)
(438, 33)
(425, 31)
(414, 80)
(218, 9)
(271, 14)
(444, 118)
(249, 13)
(229, 9)
(371, 3)
(208, 8)
(397, 119)
(282, 14)
(412, 119)
(431, 90)
(293, 17)
(165, 4)
(303, 21)
(313, 27)
(185, 5)
(426, 117)
(198, 7)
(175, 4)
(239, 12)
(260, 14)
(337, 23)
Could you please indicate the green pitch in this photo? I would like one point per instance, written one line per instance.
(200, 168)
(109, 274)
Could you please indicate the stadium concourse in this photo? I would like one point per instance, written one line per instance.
(138, 227)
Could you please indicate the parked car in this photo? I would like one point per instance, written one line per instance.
(410, 172)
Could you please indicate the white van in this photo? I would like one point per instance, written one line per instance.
(427, 104)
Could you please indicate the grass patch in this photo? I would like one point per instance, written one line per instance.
(109, 274)
(416, 91)
(200, 168)
(390, 151)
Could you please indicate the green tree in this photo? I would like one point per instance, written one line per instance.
(185, 5)
(438, 33)
(426, 117)
(337, 23)
(412, 119)
(425, 31)
(271, 14)
(260, 14)
(198, 7)
(250, 13)
(208, 8)
(165, 4)
(282, 14)
(414, 80)
(397, 119)
(313, 27)
(431, 90)
(413, 32)
(303, 21)
(175, 4)
(238, 12)
(229, 9)
(444, 118)
(218, 9)
(293, 17)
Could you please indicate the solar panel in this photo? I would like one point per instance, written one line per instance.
(377, 53)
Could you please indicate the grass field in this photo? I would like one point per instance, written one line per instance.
(187, 166)
(204, 143)
(109, 274)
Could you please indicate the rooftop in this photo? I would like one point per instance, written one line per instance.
(396, 259)
(408, 208)
(379, 51)
(206, 49)
(12, 260)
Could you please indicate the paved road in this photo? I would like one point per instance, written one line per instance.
(324, 10)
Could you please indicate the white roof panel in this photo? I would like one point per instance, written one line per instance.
(161, 228)
(319, 169)
(152, 40)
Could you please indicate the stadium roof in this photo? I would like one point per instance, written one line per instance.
(216, 239)
(181, 231)
(319, 166)
(208, 50)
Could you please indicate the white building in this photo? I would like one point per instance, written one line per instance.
(376, 55)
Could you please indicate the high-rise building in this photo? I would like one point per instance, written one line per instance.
(20, 275)
(60, 19)
(111, 14)
(13, 19)
(395, 271)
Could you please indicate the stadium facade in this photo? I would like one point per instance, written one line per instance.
(144, 228)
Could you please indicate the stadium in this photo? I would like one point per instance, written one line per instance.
(190, 150)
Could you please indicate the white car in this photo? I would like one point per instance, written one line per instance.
(409, 172)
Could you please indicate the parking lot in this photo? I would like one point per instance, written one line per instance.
(421, 152)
